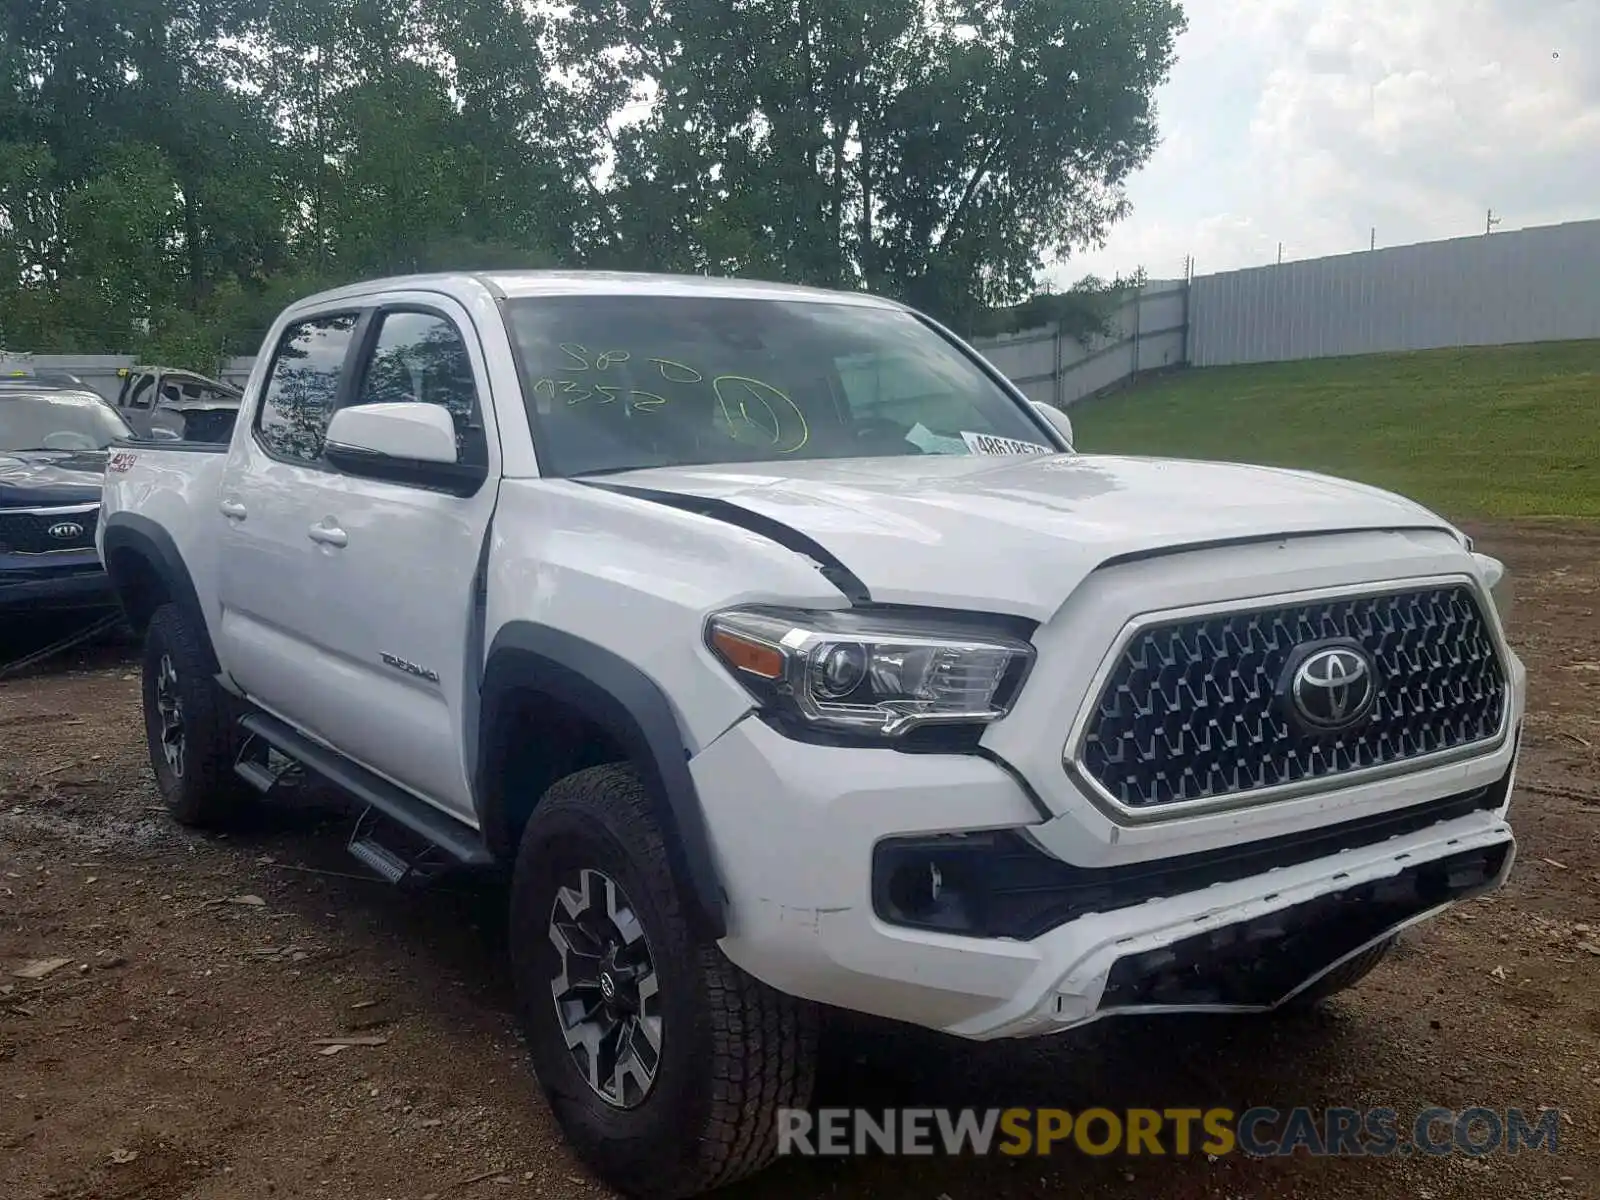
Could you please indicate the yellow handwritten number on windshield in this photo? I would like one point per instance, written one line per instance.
(767, 413)
(677, 372)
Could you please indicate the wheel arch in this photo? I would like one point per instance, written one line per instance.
(535, 667)
(146, 571)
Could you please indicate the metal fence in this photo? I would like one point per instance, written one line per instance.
(1147, 333)
(1530, 285)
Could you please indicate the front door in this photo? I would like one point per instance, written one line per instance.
(398, 588)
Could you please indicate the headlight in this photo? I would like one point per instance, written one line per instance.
(865, 674)
(1498, 580)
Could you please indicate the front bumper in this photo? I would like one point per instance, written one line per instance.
(796, 828)
(59, 587)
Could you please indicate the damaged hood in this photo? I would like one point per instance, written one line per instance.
(1017, 534)
(46, 478)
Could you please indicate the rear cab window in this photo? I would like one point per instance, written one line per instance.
(303, 387)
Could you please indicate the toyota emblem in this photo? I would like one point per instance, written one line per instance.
(1332, 689)
(66, 531)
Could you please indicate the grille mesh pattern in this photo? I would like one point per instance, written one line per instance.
(29, 533)
(1190, 710)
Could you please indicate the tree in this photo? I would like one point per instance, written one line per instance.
(939, 150)
(173, 171)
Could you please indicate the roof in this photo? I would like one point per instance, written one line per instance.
(518, 284)
(47, 391)
(32, 379)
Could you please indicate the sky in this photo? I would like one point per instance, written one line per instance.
(1310, 122)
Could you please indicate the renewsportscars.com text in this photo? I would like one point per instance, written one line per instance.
(1256, 1132)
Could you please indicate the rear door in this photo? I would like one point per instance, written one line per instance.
(271, 567)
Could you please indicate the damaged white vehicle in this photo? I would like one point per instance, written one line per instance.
(787, 657)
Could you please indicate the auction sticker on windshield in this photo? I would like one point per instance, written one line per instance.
(984, 443)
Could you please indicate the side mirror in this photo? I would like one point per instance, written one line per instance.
(405, 443)
(1059, 421)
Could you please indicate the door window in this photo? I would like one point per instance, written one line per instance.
(303, 387)
(420, 358)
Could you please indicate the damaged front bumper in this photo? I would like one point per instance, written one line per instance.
(810, 841)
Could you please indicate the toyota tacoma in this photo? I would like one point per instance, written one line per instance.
(787, 658)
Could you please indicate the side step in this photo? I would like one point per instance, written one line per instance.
(393, 853)
(435, 828)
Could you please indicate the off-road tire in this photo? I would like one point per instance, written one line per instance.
(733, 1051)
(200, 789)
(1340, 979)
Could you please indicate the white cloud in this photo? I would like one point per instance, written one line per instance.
(1312, 121)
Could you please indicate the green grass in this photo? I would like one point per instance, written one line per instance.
(1492, 432)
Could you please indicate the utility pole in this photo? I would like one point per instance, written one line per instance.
(1280, 254)
(1492, 222)
(1374, 244)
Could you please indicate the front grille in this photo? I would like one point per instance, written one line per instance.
(29, 532)
(1191, 709)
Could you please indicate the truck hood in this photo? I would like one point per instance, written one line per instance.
(36, 478)
(1017, 534)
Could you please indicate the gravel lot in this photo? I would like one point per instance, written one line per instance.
(175, 1054)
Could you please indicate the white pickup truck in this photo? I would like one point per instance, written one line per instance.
(788, 658)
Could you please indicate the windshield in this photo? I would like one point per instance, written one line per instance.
(621, 382)
(58, 422)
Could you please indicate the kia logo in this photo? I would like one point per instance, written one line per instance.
(66, 531)
(1333, 689)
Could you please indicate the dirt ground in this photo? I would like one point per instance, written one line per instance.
(175, 1054)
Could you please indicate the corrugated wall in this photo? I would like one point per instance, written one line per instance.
(1147, 334)
(1530, 285)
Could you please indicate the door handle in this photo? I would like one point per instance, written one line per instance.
(233, 510)
(328, 535)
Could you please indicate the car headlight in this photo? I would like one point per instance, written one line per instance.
(1498, 580)
(869, 674)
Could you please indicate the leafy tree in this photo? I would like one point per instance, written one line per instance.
(941, 150)
(173, 171)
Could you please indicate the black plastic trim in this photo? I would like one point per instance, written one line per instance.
(619, 698)
(834, 571)
(1000, 884)
(462, 480)
(1262, 962)
(139, 535)
(451, 835)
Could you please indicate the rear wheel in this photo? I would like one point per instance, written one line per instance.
(663, 1062)
(188, 724)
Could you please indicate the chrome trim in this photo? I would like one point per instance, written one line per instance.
(1122, 814)
(70, 510)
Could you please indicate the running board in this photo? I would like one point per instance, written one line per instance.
(456, 839)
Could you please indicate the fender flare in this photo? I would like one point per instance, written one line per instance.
(615, 695)
(129, 532)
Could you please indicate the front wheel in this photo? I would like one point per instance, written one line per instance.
(1342, 978)
(188, 725)
(664, 1064)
